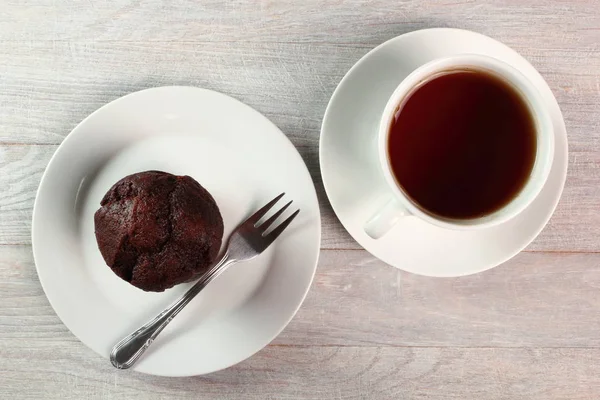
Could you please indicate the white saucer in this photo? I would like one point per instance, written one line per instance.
(356, 187)
(243, 160)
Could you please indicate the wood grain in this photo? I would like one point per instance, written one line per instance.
(59, 370)
(49, 87)
(535, 300)
(21, 169)
(340, 21)
(575, 225)
(528, 329)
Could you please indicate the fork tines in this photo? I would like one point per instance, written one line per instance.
(264, 226)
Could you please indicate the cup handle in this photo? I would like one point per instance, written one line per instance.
(385, 218)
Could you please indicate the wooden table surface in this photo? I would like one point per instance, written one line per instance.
(529, 329)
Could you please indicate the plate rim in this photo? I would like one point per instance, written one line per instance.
(74, 132)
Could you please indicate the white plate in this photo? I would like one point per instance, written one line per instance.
(243, 160)
(356, 187)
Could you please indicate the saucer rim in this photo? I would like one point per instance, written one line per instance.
(440, 31)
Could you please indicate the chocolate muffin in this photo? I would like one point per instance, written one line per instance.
(156, 230)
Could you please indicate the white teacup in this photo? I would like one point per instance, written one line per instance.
(400, 205)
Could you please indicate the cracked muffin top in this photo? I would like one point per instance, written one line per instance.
(156, 230)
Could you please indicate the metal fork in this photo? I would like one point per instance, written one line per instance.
(247, 241)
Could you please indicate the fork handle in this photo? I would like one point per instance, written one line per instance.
(130, 349)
